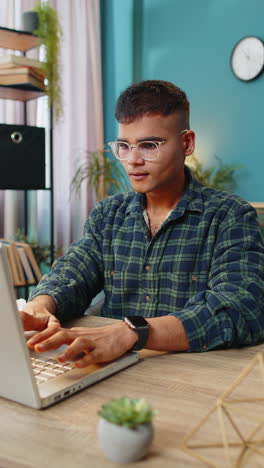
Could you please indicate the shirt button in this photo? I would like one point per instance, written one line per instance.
(204, 347)
(112, 273)
(148, 298)
(148, 267)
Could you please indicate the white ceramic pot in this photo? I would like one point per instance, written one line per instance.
(124, 445)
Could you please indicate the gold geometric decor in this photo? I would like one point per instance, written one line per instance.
(231, 434)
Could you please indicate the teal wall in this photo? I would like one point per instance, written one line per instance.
(189, 42)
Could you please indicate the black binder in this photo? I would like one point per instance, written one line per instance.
(22, 157)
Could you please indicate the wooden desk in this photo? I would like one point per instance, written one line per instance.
(182, 386)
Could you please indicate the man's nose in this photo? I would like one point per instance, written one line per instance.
(134, 155)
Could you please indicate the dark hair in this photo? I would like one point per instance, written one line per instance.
(151, 97)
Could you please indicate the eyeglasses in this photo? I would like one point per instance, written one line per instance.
(147, 150)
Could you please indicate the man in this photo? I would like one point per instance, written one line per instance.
(188, 259)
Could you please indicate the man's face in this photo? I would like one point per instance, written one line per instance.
(167, 171)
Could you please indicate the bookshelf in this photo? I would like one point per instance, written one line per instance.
(22, 263)
(23, 41)
(17, 40)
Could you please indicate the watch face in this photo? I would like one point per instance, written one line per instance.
(247, 60)
(137, 321)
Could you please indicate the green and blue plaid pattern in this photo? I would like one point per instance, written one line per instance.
(205, 266)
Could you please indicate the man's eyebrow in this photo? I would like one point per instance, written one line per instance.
(147, 138)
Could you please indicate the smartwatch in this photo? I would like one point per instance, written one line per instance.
(141, 327)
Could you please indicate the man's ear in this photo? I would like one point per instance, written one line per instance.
(189, 142)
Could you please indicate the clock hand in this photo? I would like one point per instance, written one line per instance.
(245, 53)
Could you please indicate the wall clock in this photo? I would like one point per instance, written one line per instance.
(247, 58)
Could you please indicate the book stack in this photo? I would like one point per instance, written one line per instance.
(22, 72)
(22, 263)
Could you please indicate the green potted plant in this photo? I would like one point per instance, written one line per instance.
(102, 173)
(219, 176)
(125, 429)
(49, 31)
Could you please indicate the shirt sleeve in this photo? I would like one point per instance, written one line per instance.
(76, 277)
(230, 313)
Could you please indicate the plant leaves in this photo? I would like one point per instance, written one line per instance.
(220, 176)
(127, 412)
(100, 170)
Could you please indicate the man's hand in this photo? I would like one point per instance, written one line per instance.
(36, 315)
(86, 345)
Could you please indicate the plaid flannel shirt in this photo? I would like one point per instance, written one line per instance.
(205, 266)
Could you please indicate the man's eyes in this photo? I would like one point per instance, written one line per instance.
(147, 145)
(122, 146)
(143, 146)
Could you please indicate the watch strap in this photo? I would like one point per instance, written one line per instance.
(142, 333)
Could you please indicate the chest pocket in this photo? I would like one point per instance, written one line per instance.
(177, 288)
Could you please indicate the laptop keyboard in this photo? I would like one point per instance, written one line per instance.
(45, 370)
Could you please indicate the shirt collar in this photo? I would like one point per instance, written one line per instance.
(191, 200)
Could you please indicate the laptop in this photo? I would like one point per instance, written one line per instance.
(33, 379)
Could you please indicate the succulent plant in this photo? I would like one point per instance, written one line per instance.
(127, 412)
